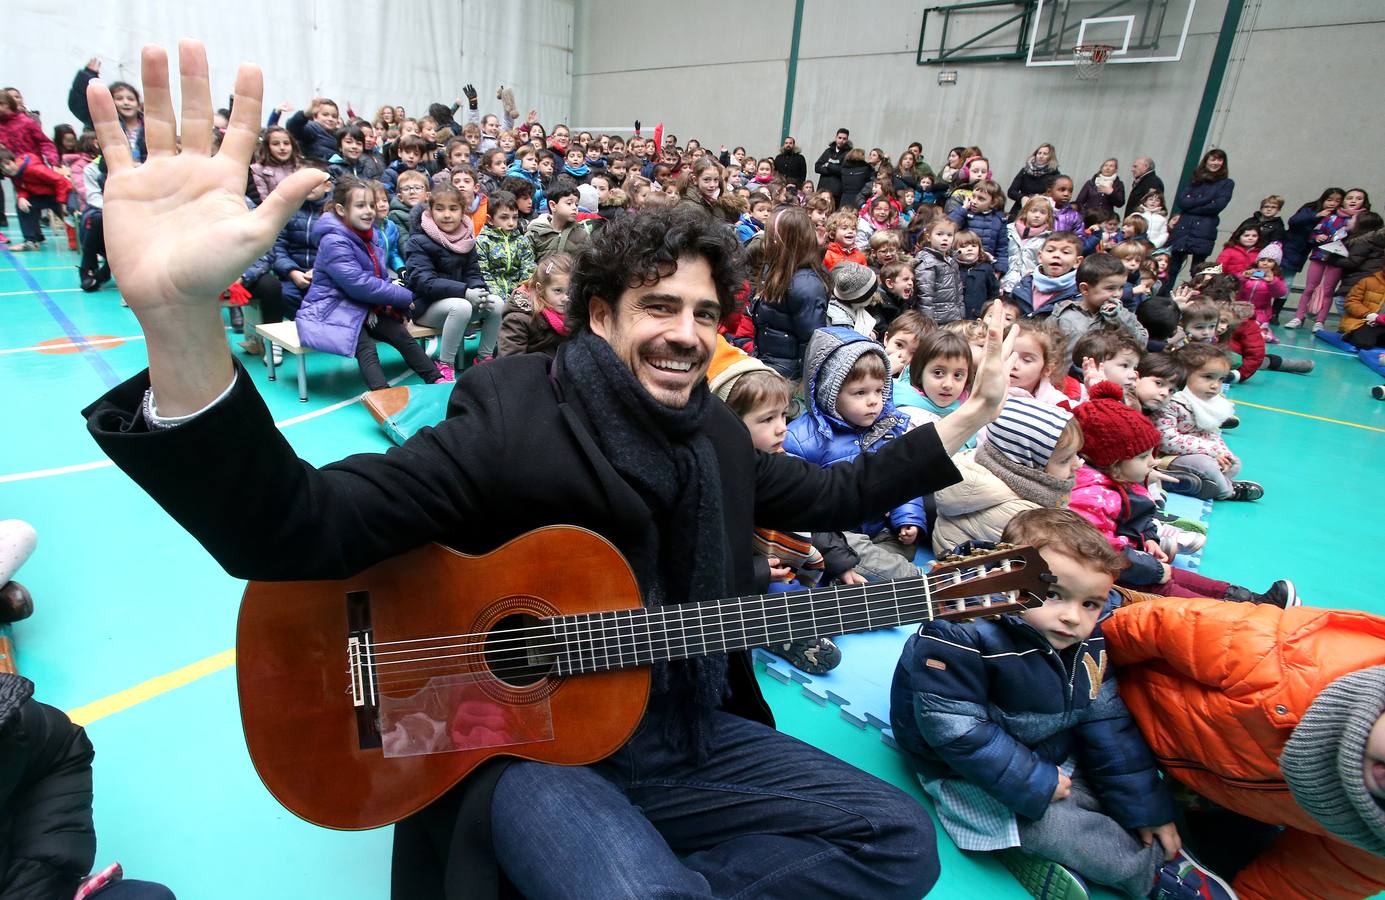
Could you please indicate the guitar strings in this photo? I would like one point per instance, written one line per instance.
(852, 615)
(513, 639)
(805, 596)
(794, 602)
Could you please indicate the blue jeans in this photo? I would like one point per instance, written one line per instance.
(765, 816)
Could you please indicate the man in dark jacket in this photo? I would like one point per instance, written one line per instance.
(791, 164)
(829, 165)
(1145, 180)
(617, 434)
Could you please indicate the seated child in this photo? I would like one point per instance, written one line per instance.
(983, 215)
(36, 188)
(896, 294)
(1040, 364)
(534, 320)
(411, 150)
(974, 264)
(351, 158)
(847, 384)
(388, 240)
(445, 277)
(1102, 232)
(1108, 355)
(902, 338)
(883, 248)
(1284, 723)
(503, 251)
(973, 331)
(1054, 281)
(410, 190)
(879, 215)
(1016, 730)
(1132, 255)
(1361, 318)
(295, 250)
(350, 303)
(475, 205)
(1027, 462)
(1158, 376)
(523, 192)
(1134, 227)
(1163, 322)
(1111, 493)
(784, 561)
(841, 244)
(937, 277)
(1190, 425)
(558, 231)
(1025, 238)
(853, 291)
(753, 222)
(940, 375)
(315, 129)
(1100, 281)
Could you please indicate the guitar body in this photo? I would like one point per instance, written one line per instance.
(304, 731)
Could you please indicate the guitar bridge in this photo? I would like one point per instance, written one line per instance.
(360, 656)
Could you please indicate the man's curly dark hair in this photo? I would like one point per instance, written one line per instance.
(639, 250)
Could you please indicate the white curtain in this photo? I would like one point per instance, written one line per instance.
(364, 53)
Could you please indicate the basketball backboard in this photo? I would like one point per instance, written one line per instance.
(1138, 31)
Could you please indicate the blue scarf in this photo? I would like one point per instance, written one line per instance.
(579, 172)
(1057, 285)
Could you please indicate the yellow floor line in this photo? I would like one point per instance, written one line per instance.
(162, 684)
(1290, 412)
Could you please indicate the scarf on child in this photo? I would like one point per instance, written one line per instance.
(666, 457)
(1028, 483)
(556, 321)
(1049, 285)
(459, 241)
(1208, 415)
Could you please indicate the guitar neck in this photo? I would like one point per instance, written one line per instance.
(593, 642)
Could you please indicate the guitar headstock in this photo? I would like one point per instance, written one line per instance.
(984, 583)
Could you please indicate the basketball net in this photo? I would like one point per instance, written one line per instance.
(1089, 59)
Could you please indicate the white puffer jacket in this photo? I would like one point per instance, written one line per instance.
(977, 508)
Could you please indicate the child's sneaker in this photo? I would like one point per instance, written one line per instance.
(1187, 879)
(1174, 540)
(1191, 484)
(449, 375)
(1282, 594)
(1246, 490)
(1318, 326)
(816, 656)
(276, 353)
(1231, 422)
(1043, 879)
(1293, 323)
(1378, 392)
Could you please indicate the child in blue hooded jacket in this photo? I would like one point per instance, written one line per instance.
(851, 411)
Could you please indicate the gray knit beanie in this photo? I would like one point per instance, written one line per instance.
(852, 281)
(1322, 760)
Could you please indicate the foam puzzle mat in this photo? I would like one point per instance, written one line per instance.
(859, 687)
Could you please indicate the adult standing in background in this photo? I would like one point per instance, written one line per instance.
(1034, 177)
(1145, 180)
(829, 165)
(1193, 228)
(791, 164)
(1104, 191)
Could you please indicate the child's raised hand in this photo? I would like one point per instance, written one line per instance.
(1091, 372)
(1168, 839)
(94, 64)
(177, 227)
(908, 534)
(992, 381)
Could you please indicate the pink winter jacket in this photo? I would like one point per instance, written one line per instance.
(1097, 499)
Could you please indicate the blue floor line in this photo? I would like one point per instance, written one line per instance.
(74, 334)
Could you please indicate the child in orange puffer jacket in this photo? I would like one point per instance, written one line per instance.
(1277, 715)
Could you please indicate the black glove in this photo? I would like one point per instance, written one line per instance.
(637, 126)
(470, 95)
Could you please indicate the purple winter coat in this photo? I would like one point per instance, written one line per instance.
(344, 289)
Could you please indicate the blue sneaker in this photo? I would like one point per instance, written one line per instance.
(1043, 878)
(1187, 879)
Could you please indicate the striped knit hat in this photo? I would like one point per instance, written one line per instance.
(1323, 760)
(1027, 431)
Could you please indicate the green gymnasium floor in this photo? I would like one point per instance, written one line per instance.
(134, 623)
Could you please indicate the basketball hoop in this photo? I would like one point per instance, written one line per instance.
(1089, 59)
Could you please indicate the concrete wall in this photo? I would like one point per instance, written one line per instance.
(1296, 110)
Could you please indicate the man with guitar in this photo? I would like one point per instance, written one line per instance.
(618, 434)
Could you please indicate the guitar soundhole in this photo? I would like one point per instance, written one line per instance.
(520, 650)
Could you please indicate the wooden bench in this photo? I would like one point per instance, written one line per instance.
(285, 336)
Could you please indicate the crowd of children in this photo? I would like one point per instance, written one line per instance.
(859, 321)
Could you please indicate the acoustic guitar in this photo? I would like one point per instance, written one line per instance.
(364, 700)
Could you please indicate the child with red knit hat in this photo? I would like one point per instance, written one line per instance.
(1118, 447)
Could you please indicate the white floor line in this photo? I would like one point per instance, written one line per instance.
(1269, 348)
(105, 463)
(68, 345)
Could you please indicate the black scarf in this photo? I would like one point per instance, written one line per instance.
(666, 456)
